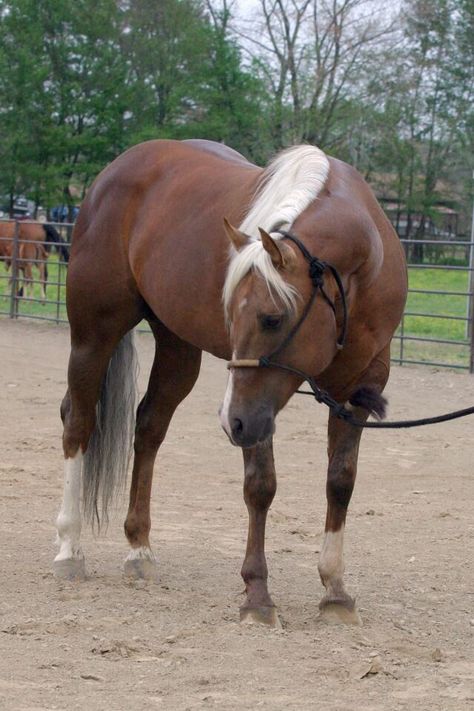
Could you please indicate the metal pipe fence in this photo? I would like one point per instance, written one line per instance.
(23, 293)
(436, 328)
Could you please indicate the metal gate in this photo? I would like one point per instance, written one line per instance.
(21, 289)
(436, 327)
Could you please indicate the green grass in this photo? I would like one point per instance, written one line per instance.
(442, 304)
(420, 326)
(431, 327)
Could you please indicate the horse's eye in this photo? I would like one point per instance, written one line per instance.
(270, 323)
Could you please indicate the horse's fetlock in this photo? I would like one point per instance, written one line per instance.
(65, 407)
(137, 529)
(254, 576)
(66, 526)
(73, 440)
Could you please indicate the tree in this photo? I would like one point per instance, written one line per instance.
(311, 52)
(165, 45)
(63, 94)
(234, 101)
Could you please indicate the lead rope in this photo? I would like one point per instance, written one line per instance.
(342, 413)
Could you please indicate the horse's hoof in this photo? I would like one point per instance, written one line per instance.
(70, 568)
(340, 612)
(265, 615)
(141, 565)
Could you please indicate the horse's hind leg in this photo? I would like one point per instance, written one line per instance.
(69, 562)
(89, 359)
(29, 285)
(174, 372)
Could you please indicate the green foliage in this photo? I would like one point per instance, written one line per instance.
(81, 81)
(63, 112)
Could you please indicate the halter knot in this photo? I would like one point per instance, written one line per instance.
(316, 272)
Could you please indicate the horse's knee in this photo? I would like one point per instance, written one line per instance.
(260, 482)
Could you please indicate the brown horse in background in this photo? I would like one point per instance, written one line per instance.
(151, 234)
(35, 240)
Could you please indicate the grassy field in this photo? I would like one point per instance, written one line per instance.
(434, 327)
(419, 326)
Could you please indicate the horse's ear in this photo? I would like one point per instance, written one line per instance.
(271, 246)
(239, 239)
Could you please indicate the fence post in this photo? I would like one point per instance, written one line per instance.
(471, 350)
(14, 289)
(470, 309)
(58, 287)
(402, 338)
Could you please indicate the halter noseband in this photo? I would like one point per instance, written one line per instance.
(316, 273)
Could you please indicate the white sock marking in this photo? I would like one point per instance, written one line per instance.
(141, 553)
(331, 559)
(68, 522)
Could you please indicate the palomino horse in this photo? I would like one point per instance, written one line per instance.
(34, 245)
(151, 233)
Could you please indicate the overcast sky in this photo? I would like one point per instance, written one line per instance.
(246, 6)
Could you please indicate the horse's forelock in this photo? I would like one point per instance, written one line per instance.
(253, 257)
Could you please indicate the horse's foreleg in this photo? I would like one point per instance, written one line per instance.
(173, 374)
(343, 452)
(259, 490)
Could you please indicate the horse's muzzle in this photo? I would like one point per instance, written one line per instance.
(248, 429)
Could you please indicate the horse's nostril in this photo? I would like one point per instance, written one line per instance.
(237, 426)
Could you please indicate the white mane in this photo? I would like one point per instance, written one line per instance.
(288, 185)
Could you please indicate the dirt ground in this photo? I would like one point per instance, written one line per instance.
(177, 644)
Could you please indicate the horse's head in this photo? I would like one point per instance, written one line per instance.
(266, 294)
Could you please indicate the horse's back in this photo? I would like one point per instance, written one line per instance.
(155, 218)
(218, 149)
